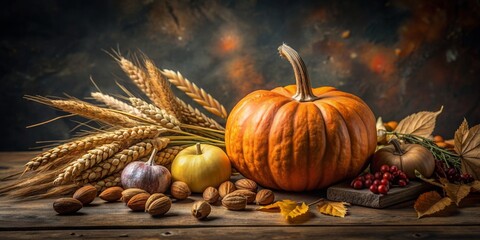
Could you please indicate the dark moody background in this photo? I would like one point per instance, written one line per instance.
(400, 56)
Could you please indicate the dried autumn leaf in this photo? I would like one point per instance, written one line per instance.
(430, 203)
(336, 209)
(467, 145)
(457, 192)
(419, 124)
(474, 186)
(296, 212)
(288, 208)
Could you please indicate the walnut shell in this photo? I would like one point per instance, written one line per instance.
(248, 194)
(85, 194)
(137, 202)
(111, 194)
(246, 184)
(211, 195)
(127, 194)
(234, 201)
(67, 205)
(226, 188)
(201, 209)
(180, 190)
(265, 197)
(160, 206)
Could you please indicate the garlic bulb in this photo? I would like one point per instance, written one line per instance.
(146, 175)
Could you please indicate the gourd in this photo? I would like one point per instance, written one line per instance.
(201, 166)
(407, 157)
(146, 175)
(296, 138)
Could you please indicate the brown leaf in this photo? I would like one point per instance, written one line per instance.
(430, 203)
(420, 124)
(475, 186)
(467, 145)
(457, 192)
(459, 136)
(336, 209)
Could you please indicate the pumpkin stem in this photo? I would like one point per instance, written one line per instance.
(398, 149)
(199, 149)
(304, 89)
(151, 160)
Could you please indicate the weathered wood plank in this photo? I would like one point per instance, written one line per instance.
(344, 193)
(300, 232)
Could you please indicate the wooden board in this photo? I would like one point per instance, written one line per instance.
(344, 193)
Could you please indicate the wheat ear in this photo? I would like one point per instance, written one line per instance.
(161, 88)
(116, 104)
(140, 78)
(159, 115)
(197, 94)
(110, 181)
(193, 116)
(89, 142)
(88, 160)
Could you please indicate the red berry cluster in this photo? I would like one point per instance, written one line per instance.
(454, 176)
(380, 182)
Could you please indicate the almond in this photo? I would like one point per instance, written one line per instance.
(137, 202)
(211, 195)
(246, 184)
(85, 194)
(248, 194)
(234, 201)
(226, 188)
(180, 190)
(67, 205)
(111, 194)
(160, 206)
(265, 197)
(152, 198)
(129, 193)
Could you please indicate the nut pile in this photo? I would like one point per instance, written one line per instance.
(232, 196)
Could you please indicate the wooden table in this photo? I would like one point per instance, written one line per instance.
(37, 220)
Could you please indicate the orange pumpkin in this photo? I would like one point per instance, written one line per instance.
(296, 138)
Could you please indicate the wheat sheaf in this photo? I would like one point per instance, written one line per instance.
(131, 128)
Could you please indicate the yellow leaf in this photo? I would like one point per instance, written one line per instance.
(267, 208)
(288, 208)
(467, 145)
(336, 209)
(457, 192)
(430, 203)
(420, 124)
(296, 212)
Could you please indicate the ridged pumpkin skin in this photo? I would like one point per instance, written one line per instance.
(286, 144)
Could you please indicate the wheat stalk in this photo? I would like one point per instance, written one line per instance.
(120, 160)
(88, 110)
(110, 181)
(140, 78)
(159, 115)
(193, 116)
(88, 160)
(116, 104)
(167, 155)
(89, 142)
(197, 94)
(161, 88)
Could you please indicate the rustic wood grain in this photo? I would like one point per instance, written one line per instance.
(23, 219)
(258, 233)
(344, 193)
